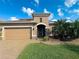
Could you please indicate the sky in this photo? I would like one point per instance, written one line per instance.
(18, 9)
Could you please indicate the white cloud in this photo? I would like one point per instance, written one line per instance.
(60, 13)
(37, 1)
(29, 11)
(68, 18)
(24, 9)
(76, 11)
(70, 3)
(54, 20)
(70, 11)
(46, 11)
(13, 18)
(51, 14)
(69, 21)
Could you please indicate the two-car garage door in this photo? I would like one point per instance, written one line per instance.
(17, 33)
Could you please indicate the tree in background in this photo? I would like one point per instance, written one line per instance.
(66, 30)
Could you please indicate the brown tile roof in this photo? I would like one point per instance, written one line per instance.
(40, 14)
(2, 21)
(29, 21)
(22, 20)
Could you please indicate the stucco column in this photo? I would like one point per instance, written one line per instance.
(34, 36)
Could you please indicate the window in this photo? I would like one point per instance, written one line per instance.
(40, 19)
(0, 33)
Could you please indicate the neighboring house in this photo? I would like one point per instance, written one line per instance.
(25, 28)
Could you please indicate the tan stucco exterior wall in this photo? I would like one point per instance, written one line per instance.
(44, 20)
(36, 22)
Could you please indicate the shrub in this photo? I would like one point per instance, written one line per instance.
(45, 38)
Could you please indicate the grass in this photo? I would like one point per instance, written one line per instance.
(42, 51)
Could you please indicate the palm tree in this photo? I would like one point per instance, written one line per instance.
(65, 31)
(59, 29)
(76, 28)
(62, 29)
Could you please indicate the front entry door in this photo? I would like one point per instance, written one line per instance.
(41, 31)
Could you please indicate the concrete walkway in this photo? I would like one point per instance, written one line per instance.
(10, 49)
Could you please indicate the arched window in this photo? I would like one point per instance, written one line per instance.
(40, 19)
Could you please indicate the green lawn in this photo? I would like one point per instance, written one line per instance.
(42, 51)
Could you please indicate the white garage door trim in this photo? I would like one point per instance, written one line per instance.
(3, 30)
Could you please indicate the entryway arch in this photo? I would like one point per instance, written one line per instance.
(41, 32)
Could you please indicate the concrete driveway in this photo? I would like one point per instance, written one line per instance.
(10, 49)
